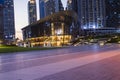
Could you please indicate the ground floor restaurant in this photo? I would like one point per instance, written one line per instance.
(57, 29)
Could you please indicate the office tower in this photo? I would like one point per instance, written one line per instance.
(91, 13)
(1, 20)
(8, 19)
(60, 5)
(42, 8)
(112, 13)
(75, 5)
(49, 7)
(32, 12)
(69, 5)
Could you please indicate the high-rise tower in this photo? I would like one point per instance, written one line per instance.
(48, 7)
(69, 5)
(1, 20)
(91, 13)
(42, 8)
(7, 19)
(32, 12)
(75, 5)
(112, 13)
(52, 6)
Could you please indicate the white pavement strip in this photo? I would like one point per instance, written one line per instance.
(53, 68)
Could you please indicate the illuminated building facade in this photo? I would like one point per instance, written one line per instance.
(91, 13)
(7, 19)
(48, 7)
(32, 12)
(54, 30)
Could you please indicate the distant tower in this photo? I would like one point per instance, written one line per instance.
(1, 21)
(60, 6)
(69, 5)
(8, 19)
(48, 7)
(32, 12)
(75, 5)
(91, 13)
(112, 13)
(42, 8)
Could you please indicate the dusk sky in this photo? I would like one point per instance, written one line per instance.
(21, 14)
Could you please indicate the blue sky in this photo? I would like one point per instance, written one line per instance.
(21, 14)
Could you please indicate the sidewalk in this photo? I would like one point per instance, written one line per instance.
(49, 70)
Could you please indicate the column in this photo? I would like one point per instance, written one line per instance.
(52, 29)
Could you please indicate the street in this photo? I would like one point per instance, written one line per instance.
(85, 62)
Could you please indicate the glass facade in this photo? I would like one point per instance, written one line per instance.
(69, 5)
(1, 20)
(61, 8)
(8, 19)
(48, 7)
(42, 8)
(32, 12)
(113, 13)
(75, 5)
(91, 13)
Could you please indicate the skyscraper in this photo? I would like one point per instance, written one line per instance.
(112, 13)
(49, 7)
(32, 12)
(91, 13)
(7, 19)
(69, 5)
(42, 8)
(1, 20)
(75, 5)
(52, 6)
(60, 5)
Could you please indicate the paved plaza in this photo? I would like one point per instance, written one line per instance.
(86, 62)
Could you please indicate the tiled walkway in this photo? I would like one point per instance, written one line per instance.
(106, 69)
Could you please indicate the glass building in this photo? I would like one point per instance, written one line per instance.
(32, 12)
(69, 5)
(52, 6)
(91, 13)
(113, 13)
(75, 5)
(42, 8)
(60, 5)
(48, 7)
(1, 20)
(7, 19)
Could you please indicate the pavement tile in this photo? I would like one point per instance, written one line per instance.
(107, 69)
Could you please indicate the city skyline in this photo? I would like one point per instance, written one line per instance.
(21, 14)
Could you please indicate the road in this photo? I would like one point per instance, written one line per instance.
(86, 62)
